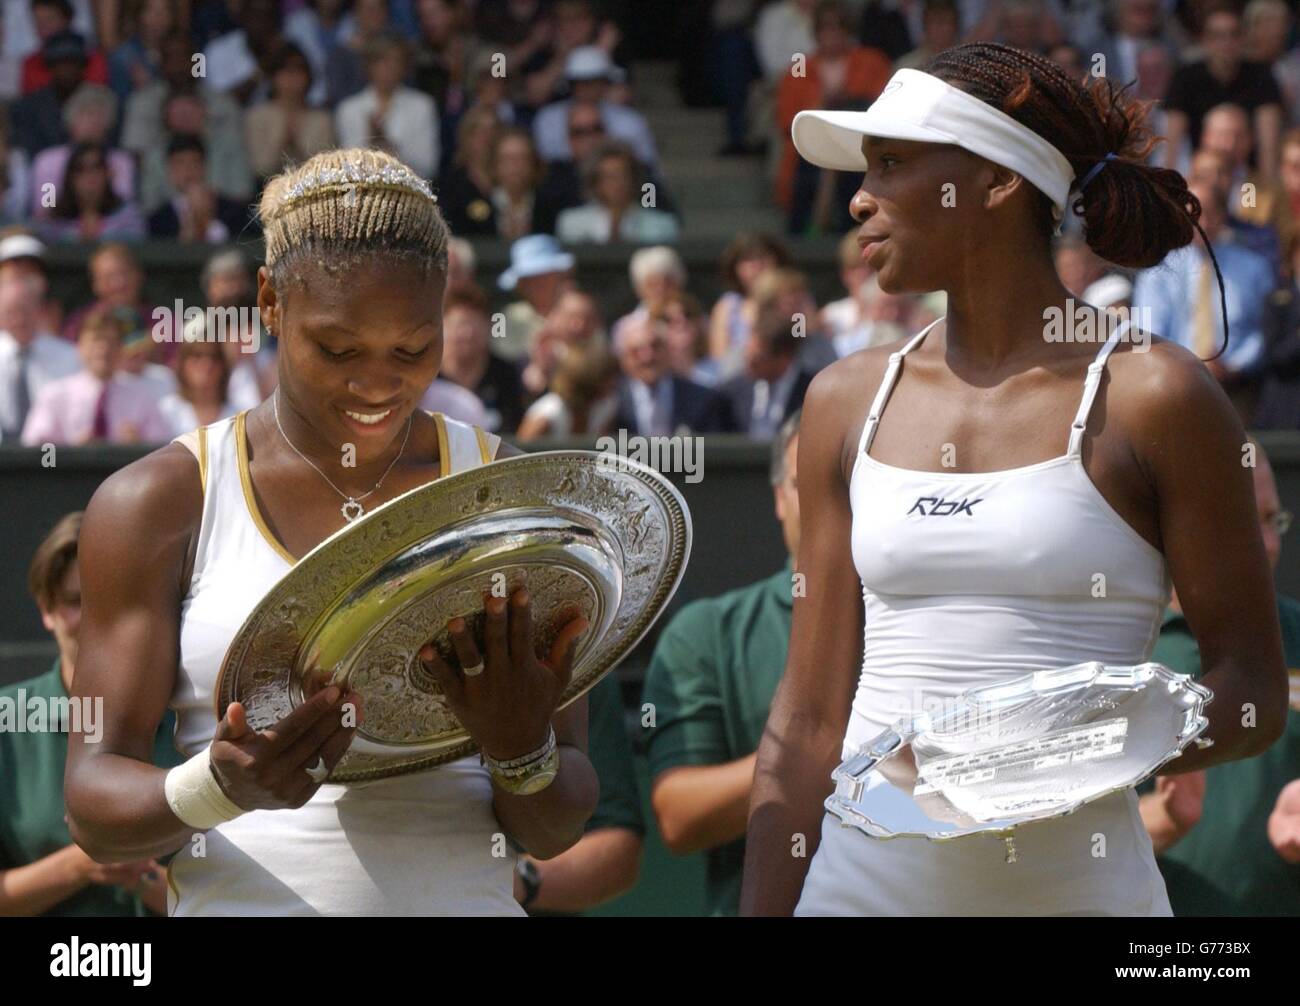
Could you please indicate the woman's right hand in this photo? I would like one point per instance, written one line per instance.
(267, 770)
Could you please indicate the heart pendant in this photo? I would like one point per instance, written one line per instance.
(352, 510)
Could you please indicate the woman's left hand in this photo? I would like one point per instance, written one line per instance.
(507, 707)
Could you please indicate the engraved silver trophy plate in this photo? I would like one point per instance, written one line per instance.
(1035, 747)
(589, 534)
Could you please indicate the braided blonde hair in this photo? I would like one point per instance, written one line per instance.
(342, 207)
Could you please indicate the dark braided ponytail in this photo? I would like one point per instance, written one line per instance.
(1134, 214)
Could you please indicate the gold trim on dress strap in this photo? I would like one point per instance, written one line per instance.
(203, 459)
(444, 445)
(485, 455)
(171, 884)
(241, 452)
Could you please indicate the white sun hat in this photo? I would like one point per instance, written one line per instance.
(918, 106)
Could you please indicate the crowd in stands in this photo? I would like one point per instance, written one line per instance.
(162, 119)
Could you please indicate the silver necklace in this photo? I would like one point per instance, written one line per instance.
(351, 508)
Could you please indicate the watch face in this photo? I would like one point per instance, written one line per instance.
(538, 782)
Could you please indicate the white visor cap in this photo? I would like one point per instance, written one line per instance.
(918, 106)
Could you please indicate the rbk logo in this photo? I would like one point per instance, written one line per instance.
(940, 507)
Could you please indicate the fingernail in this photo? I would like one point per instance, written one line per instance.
(332, 694)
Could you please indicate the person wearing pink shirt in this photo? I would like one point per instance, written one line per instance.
(97, 403)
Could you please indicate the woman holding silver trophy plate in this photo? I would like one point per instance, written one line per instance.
(962, 533)
(182, 545)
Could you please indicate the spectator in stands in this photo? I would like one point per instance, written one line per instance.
(468, 360)
(89, 209)
(786, 291)
(318, 28)
(99, 403)
(42, 871)
(655, 273)
(1252, 198)
(1224, 75)
(116, 280)
(1228, 837)
(238, 63)
(54, 17)
(590, 74)
(582, 400)
(940, 29)
(489, 87)
(518, 203)
(1139, 24)
(175, 104)
(1289, 175)
(681, 319)
(731, 67)
(1184, 307)
(541, 270)
(783, 29)
(465, 189)
(574, 324)
(38, 117)
(574, 24)
(1076, 264)
(838, 74)
(346, 71)
(868, 316)
(714, 672)
(389, 115)
(1279, 394)
(285, 129)
(196, 213)
(138, 348)
(1213, 167)
(616, 209)
(461, 263)
(228, 288)
(444, 54)
(745, 258)
(653, 401)
(774, 382)
(137, 61)
(15, 175)
(586, 136)
(1155, 71)
(1267, 27)
(203, 378)
(606, 861)
(88, 116)
(30, 358)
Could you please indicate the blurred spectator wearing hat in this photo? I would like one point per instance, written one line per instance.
(541, 270)
(590, 74)
(31, 358)
(574, 24)
(87, 208)
(468, 360)
(202, 392)
(100, 403)
(284, 130)
(42, 871)
(51, 18)
(195, 213)
(615, 209)
(175, 105)
(389, 115)
(38, 117)
(137, 60)
(89, 116)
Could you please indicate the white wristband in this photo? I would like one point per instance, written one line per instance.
(195, 796)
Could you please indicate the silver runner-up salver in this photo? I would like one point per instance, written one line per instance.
(1037, 746)
(589, 534)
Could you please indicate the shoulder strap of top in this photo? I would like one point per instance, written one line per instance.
(887, 385)
(462, 446)
(1090, 386)
(196, 442)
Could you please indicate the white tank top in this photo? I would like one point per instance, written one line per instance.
(420, 844)
(969, 579)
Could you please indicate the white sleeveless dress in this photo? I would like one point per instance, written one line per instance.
(419, 844)
(968, 579)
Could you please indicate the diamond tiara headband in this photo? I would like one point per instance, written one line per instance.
(349, 177)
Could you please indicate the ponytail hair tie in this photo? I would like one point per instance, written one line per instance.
(1092, 172)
